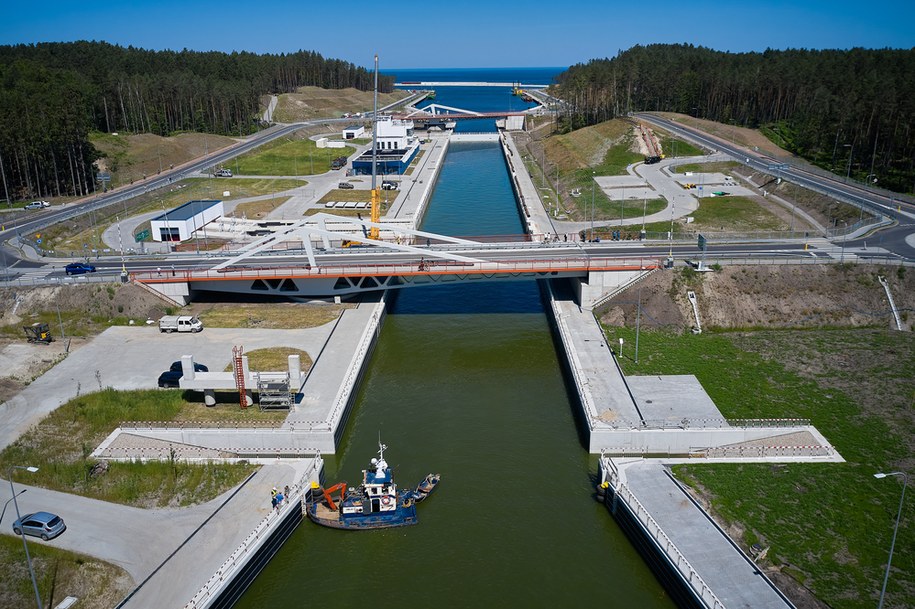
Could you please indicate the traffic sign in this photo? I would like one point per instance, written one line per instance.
(104, 177)
(140, 236)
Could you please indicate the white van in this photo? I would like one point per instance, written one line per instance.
(180, 323)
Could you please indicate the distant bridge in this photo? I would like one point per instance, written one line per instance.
(427, 83)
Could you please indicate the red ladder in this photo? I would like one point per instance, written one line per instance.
(240, 375)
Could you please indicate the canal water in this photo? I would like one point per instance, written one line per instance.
(465, 381)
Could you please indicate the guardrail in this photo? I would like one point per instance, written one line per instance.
(423, 267)
(251, 543)
(705, 423)
(662, 542)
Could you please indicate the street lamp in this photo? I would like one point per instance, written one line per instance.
(28, 559)
(851, 152)
(886, 577)
(5, 505)
(593, 181)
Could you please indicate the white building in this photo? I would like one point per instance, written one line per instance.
(353, 131)
(394, 134)
(180, 223)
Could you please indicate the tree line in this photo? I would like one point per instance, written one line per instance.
(849, 111)
(52, 95)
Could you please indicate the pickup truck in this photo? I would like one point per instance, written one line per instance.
(180, 323)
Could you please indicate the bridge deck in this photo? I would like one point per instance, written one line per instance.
(566, 266)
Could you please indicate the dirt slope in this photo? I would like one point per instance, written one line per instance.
(769, 296)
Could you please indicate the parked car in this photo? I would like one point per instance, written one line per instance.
(37, 205)
(40, 524)
(176, 367)
(79, 268)
(390, 185)
(345, 185)
(170, 378)
(223, 173)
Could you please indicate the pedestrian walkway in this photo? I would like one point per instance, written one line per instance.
(730, 574)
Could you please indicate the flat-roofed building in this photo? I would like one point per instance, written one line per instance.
(353, 131)
(180, 223)
(397, 147)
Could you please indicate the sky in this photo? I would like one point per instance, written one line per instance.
(468, 33)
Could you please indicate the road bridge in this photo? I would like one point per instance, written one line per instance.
(342, 279)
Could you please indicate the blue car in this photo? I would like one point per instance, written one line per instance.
(40, 524)
(79, 268)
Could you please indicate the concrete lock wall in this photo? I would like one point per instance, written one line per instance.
(598, 283)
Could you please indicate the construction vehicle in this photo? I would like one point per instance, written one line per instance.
(38, 333)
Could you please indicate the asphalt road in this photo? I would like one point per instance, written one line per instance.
(896, 239)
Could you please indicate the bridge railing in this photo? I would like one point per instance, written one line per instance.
(421, 267)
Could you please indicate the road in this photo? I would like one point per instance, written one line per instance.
(899, 239)
(41, 220)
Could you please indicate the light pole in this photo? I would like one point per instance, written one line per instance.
(28, 559)
(593, 181)
(886, 577)
(851, 151)
(5, 505)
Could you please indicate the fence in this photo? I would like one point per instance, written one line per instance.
(657, 535)
(239, 558)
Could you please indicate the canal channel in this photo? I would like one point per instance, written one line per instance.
(465, 381)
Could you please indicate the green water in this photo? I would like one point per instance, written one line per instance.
(465, 381)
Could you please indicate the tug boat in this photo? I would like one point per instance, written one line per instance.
(375, 504)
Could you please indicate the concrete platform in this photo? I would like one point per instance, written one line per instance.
(730, 574)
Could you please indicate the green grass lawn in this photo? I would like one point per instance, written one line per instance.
(723, 214)
(827, 525)
(63, 441)
(289, 157)
(716, 167)
(675, 147)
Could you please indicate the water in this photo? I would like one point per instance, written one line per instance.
(479, 99)
(465, 381)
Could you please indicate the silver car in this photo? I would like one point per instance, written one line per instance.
(40, 524)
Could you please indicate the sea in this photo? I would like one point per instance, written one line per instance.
(478, 99)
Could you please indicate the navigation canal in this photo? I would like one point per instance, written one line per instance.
(465, 381)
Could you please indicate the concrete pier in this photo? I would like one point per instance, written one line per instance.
(709, 567)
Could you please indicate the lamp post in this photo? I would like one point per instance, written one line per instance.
(886, 577)
(5, 505)
(851, 151)
(593, 181)
(28, 559)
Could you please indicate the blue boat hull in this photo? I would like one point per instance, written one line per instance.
(401, 517)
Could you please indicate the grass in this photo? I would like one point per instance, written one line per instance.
(259, 209)
(63, 441)
(314, 102)
(273, 316)
(132, 157)
(828, 525)
(59, 574)
(674, 147)
(289, 157)
(82, 235)
(723, 214)
(716, 167)
(274, 359)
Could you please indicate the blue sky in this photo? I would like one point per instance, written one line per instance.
(469, 33)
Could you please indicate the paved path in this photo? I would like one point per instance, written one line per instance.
(735, 579)
(131, 357)
(177, 549)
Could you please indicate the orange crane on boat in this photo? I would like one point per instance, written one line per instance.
(328, 494)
